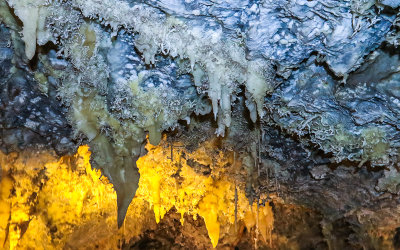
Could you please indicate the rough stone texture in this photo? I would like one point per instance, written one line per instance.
(328, 134)
(341, 119)
(28, 118)
(288, 31)
(297, 227)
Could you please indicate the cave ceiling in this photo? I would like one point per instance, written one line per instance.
(305, 94)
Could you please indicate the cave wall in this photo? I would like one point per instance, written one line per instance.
(304, 94)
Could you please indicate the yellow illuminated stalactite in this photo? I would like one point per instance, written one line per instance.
(208, 209)
(155, 190)
(216, 204)
(73, 193)
(23, 168)
(14, 234)
(74, 199)
(70, 197)
(212, 197)
(262, 219)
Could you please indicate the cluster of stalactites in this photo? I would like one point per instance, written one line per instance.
(215, 61)
(218, 66)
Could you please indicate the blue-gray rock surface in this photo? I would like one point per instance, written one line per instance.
(314, 86)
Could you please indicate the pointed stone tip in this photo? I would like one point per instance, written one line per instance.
(122, 209)
(120, 220)
(124, 199)
(125, 182)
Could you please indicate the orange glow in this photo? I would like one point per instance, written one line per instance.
(212, 197)
(262, 218)
(58, 200)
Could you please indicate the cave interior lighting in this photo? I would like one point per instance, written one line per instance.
(165, 124)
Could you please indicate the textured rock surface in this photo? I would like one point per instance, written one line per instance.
(28, 116)
(307, 92)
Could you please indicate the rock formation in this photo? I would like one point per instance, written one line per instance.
(300, 97)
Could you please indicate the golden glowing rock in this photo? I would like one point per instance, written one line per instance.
(6, 185)
(208, 209)
(210, 196)
(70, 199)
(262, 218)
(63, 193)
